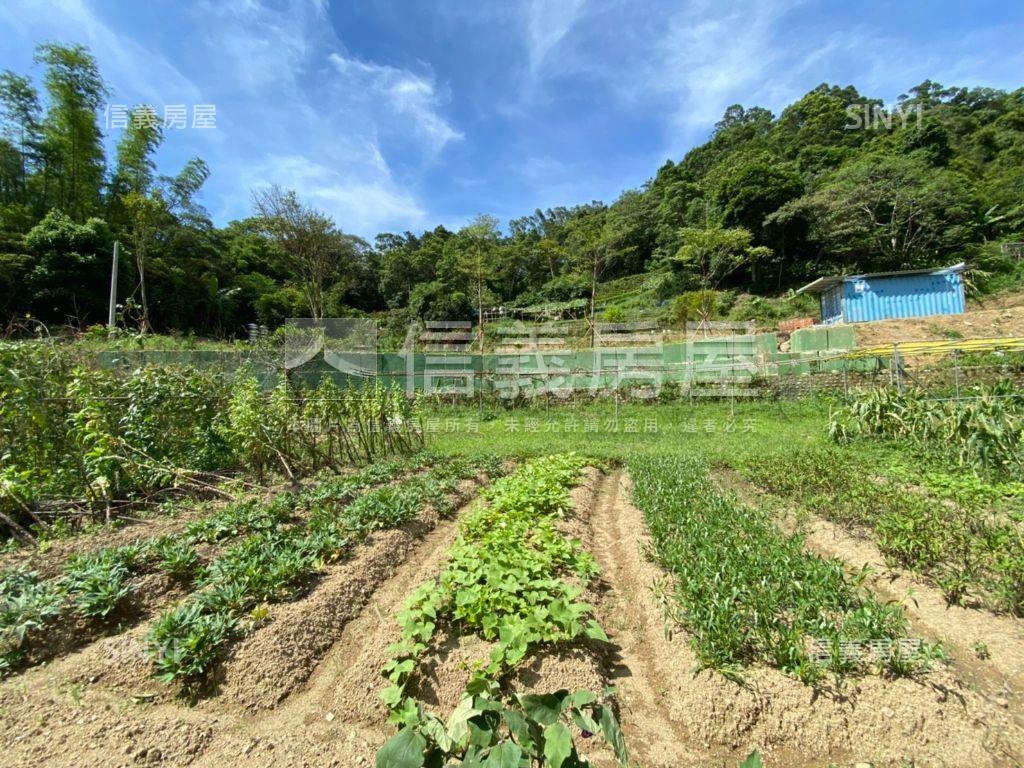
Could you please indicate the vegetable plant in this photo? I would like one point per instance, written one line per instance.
(486, 729)
(27, 604)
(506, 581)
(746, 592)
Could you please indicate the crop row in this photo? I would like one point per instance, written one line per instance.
(509, 579)
(95, 585)
(941, 527)
(747, 593)
(275, 564)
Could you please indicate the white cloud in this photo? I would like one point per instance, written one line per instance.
(258, 45)
(547, 22)
(403, 93)
(711, 56)
(362, 203)
(319, 121)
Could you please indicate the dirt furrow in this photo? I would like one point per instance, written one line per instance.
(121, 717)
(676, 715)
(337, 717)
(987, 649)
(645, 657)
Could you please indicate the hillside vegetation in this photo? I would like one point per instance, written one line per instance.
(832, 184)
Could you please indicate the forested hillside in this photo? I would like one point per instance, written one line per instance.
(831, 184)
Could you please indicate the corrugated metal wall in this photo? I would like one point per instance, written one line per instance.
(886, 298)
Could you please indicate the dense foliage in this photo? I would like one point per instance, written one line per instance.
(831, 184)
(80, 440)
(983, 430)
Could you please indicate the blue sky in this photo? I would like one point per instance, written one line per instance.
(405, 115)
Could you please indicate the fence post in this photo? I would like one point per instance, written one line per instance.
(846, 380)
(956, 373)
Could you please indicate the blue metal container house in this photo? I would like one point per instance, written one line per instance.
(890, 295)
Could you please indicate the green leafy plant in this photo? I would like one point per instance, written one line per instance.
(746, 592)
(176, 556)
(963, 534)
(27, 604)
(280, 557)
(486, 729)
(186, 641)
(505, 581)
(99, 582)
(984, 430)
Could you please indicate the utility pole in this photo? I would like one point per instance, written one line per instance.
(112, 310)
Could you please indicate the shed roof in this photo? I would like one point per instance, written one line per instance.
(822, 284)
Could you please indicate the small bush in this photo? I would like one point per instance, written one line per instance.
(187, 641)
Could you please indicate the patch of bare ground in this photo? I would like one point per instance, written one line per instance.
(266, 666)
(284, 705)
(336, 718)
(112, 652)
(339, 714)
(996, 317)
(964, 713)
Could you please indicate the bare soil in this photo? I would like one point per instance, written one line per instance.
(931, 721)
(100, 706)
(995, 317)
(987, 649)
(302, 689)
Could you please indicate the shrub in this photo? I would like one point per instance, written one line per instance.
(687, 306)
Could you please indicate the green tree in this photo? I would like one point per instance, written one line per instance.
(72, 142)
(405, 261)
(67, 278)
(314, 250)
(890, 212)
(135, 166)
(133, 201)
(708, 256)
(20, 116)
(476, 244)
(596, 241)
